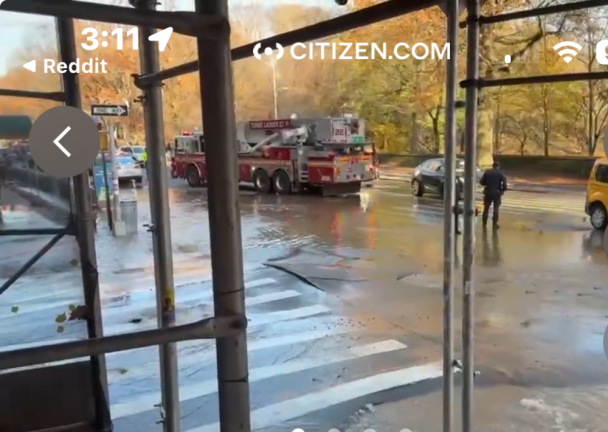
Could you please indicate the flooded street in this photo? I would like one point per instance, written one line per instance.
(345, 302)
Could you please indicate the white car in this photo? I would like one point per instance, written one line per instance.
(129, 169)
(135, 151)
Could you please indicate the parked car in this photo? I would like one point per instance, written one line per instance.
(135, 151)
(429, 178)
(127, 166)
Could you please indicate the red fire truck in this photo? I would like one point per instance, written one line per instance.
(286, 156)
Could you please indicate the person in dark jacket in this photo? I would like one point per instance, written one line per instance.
(495, 185)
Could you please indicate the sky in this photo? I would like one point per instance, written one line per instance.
(15, 28)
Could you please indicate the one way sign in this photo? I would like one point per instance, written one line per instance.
(110, 110)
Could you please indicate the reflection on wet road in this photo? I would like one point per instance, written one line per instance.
(361, 324)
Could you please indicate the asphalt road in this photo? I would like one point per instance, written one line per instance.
(354, 342)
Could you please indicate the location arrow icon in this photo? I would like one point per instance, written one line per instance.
(31, 66)
(162, 37)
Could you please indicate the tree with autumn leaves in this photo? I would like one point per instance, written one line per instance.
(402, 100)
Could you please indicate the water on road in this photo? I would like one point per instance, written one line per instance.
(345, 308)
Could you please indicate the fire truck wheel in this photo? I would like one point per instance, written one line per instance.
(194, 180)
(261, 181)
(282, 183)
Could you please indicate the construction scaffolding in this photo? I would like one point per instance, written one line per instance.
(210, 25)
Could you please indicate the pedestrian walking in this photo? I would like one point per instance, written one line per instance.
(495, 185)
(144, 159)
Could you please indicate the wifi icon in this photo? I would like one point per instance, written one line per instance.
(567, 54)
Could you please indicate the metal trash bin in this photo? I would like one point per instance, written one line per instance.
(128, 212)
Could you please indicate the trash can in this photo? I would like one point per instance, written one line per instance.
(128, 212)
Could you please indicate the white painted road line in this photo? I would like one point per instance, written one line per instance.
(200, 353)
(281, 412)
(191, 391)
(205, 295)
(254, 319)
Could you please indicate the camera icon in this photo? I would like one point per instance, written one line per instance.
(268, 51)
(600, 52)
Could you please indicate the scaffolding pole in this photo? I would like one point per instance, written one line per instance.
(161, 221)
(449, 212)
(85, 223)
(215, 65)
(470, 191)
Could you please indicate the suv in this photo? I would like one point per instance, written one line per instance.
(596, 202)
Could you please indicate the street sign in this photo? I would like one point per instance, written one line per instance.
(105, 139)
(110, 110)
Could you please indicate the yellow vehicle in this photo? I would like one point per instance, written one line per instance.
(597, 195)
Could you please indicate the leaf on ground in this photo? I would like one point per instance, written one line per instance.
(78, 313)
(61, 318)
(60, 329)
(74, 262)
(15, 309)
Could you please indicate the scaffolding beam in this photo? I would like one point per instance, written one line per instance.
(217, 96)
(533, 13)
(54, 96)
(84, 219)
(538, 79)
(371, 15)
(154, 125)
(209, 328)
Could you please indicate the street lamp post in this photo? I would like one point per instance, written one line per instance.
(275, 90)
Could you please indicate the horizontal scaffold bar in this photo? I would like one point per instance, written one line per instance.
(539, 79)
(542, 11)
(210, 328)
(54, 96)
(361, 18)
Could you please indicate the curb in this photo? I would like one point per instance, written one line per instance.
(56, 210)
(514, 187)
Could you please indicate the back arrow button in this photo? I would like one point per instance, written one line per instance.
(58, 144)
(74, 137)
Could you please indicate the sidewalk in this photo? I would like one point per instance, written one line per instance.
(531, 185)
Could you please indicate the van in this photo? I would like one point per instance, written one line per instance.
(596, 202)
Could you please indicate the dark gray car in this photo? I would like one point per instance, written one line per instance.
(429, 178)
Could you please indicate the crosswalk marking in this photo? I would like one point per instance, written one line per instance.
(207, 355)
(514, 206)
(192, 391)
(254, 319)
(195, 294)
(293, 334)
(283, 411)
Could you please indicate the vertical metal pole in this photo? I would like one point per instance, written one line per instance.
(450, 213)
(275, 96)
(115, 182)
(470, 191)
(104, 166)
(161, 231)
(215, 76)
(85, 220)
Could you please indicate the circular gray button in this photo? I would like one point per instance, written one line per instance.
(64, 141)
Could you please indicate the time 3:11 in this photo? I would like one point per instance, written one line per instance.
(118, 33)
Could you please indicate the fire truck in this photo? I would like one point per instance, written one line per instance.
(284, 156)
